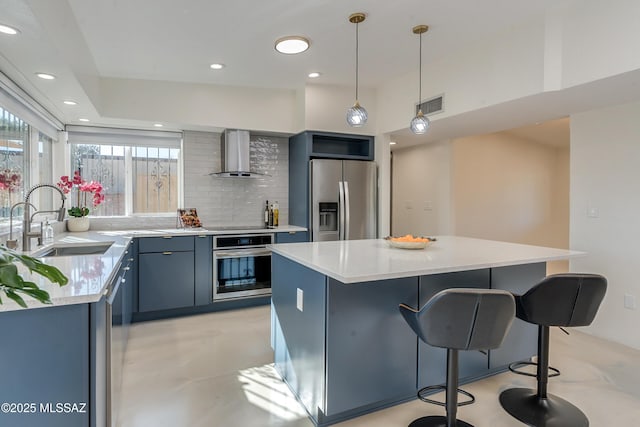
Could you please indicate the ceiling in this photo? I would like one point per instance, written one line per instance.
(81, 41)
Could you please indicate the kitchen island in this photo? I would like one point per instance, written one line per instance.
(340, 342)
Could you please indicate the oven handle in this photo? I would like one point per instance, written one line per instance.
(219, 254)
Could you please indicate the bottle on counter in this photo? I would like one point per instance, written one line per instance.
(47, 233)
(266, 215)
(270, 215)
(276, 214)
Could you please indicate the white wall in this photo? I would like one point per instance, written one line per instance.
(326, 108)
(605, 176)
(421, 179)
(201, 104)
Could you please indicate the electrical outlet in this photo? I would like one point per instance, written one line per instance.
(630, 301)
(593, 212)
(299, 299)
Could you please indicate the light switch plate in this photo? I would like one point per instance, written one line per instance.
(630, 301)
(299, 297)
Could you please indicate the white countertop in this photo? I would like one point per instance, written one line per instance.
(89, 275)
(354, 261)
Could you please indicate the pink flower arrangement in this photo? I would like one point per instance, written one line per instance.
(10, 181)
(83, 189)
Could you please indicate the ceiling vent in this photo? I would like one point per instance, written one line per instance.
(432, 106)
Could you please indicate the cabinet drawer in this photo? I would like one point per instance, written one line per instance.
(166, 244)
(292, 237)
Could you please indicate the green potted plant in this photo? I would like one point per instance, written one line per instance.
(12, 283)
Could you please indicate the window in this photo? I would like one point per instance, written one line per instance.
(139, 170)
(14, 155)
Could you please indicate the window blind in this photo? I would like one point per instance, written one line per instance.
(19, 103)
(128, 137)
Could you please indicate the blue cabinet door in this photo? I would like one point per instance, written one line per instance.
(45, 360)
(203, 270)
(166, 280)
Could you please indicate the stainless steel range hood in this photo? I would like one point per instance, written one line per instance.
(236, 150)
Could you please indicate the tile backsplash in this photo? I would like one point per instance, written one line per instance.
(235, 201)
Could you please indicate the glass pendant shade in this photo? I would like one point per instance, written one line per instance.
(420, 123)
(357, 115)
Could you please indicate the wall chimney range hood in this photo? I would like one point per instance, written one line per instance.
(236, 151)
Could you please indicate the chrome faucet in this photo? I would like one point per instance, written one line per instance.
(27, 234)
(11, 242)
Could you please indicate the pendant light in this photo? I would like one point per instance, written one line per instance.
(357, 115)
(420, 123)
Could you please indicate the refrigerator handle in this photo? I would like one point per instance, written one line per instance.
(347, 219)
(341, 213)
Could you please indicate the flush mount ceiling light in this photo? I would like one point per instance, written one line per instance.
(217, 66)
(5, 29)
(83, 120)
(420, 123)
(70, 102)
(392, 143)
(291, 45)
(314, 75)
(357, 115)
(46, 76)
(158, 125)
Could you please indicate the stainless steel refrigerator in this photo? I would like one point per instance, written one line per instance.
(343, 199)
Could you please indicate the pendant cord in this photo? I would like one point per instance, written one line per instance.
(420, 76)
(357, 61)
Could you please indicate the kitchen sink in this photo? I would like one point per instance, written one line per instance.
(93, 249)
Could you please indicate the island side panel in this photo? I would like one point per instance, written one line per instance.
(45, 360)
(371, 351)
(299, 335)
(432, 361)
(521, 342)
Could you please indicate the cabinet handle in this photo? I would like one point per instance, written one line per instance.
(126, 252)
(123, 280)
(130, 259)
(167, 237)
(202, 237)
(167, 253)
(127, 268)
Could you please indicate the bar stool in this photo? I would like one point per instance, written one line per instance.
(459, 319)
(558, 300)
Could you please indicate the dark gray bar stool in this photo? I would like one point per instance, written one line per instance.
(459, 319)
(558, 300)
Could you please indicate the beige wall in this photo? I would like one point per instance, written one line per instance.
(494, 186)
(421, 179)
(605, 178)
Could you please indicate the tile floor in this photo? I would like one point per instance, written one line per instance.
(214, 370)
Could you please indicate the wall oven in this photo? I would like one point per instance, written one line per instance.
(241, 265)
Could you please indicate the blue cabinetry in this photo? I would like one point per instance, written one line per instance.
(203, 267)
(292, 237)
(319, 145)
(166, 280)
(45, 355)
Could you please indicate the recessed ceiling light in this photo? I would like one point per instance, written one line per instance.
(46, 76)
(291, 45)
(392, 143)
(217, 66)
(70, 102)
(314, 75)
(84, 120)
(5, 29)
(158, 125)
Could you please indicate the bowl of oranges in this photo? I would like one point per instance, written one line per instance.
(408, 241)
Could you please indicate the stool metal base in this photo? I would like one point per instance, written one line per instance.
(552, 411)
(436, 421)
